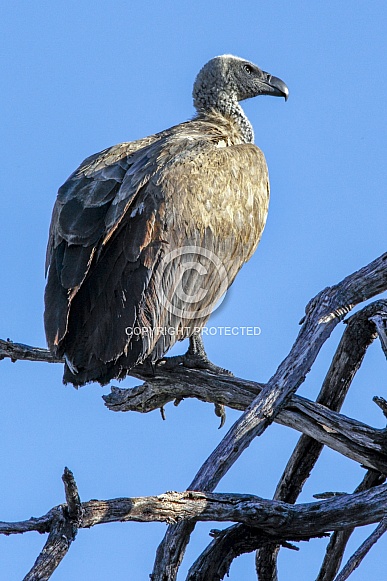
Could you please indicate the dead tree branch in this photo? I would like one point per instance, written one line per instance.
(358, 335)
(62, 522)
(272, 519)
(362, 551)
(215, 561)
(322, 315)
(339, 539)
(261, 524)
(347, 436)
(16, 351)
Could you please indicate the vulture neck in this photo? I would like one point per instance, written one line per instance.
(233, 110)
(236, 113)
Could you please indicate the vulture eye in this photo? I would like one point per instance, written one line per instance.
(248, 69)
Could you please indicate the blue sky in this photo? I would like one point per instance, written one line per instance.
(80, 76)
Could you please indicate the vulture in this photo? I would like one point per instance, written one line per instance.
(146, 236)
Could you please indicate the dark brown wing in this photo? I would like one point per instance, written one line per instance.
(88, 210)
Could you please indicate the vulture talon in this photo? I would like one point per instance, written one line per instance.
(172, 362)
(194, 358)
(148, 368)
(221, 413)
(199, 362)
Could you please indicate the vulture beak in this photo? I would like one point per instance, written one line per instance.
(274, 86)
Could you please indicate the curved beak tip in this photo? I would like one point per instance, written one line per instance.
(278, 87)
(282, 88)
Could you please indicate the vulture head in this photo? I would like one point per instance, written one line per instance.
(227, 79)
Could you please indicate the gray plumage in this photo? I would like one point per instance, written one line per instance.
(201, 186)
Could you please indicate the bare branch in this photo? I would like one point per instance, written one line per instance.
(347, 436)
(214, 563)
(323, 314)
(358, 335)
(74, 506)
(274, 518)
(56, 547)
(339, 539)
(15, 351)
(222, 390)
(382, 403)
(41, 525)
(364, 548)
(380, 321)
(62, 522)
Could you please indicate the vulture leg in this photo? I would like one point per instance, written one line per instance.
(194, 358)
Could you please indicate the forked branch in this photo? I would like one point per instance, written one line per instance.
(272, 519)
(322, 315)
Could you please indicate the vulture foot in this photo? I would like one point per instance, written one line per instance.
(194, 358)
